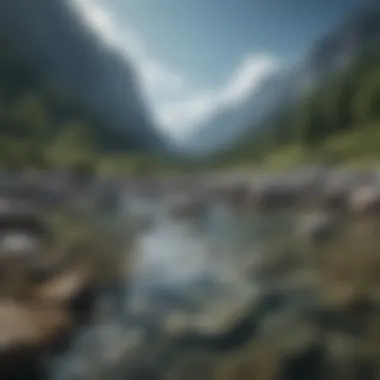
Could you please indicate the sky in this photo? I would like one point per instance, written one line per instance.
(194, 56)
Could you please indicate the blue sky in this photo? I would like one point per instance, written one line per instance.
(193, 56)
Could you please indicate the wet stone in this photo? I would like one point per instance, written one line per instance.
(365, 201)
(26, 331)
(318, 228)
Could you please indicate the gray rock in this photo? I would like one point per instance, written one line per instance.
(365, 200)
(318, 228)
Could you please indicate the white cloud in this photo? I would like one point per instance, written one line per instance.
(246, 79)
(155, 77)
(178, 113)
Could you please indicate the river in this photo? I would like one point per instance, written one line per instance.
(183, 271)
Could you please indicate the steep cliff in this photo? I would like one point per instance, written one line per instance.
(52, 41)
(341, 46)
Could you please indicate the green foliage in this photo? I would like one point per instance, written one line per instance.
(367, 100)
(43, 125)
(337, 122)
(285, 158)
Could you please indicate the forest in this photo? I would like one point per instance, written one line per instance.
(43, 127)
(336, 123)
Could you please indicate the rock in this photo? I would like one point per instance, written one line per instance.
(144, 368)
(257, 361)
(73, 291)
(187, 207)
(22, 215)
(62, 288)
(265, 266)
(194, 366)
(217, 193)
(334, 193)
(292, 333)
(237, 194)
(117, 343)
(177, 324)
(365, 201)
(306, 364)
(350, 358)
(288, 331)
(346, 310)
(335, 200)
(27, 332)
(19, 244)
(318, 228)
(23, 231)
(223, 330)
(273, 197)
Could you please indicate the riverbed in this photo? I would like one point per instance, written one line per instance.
(222, 283)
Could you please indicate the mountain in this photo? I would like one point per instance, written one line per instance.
(50, 37)
(229, 125)
(340, 48)
(283, 89)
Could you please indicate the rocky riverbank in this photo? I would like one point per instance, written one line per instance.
(347, 191)
(300, 301)
(315, 315)
(53, 266)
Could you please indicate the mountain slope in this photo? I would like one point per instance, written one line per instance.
(231, 124)
(51, 40)
(340, 47)
(282, 90)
